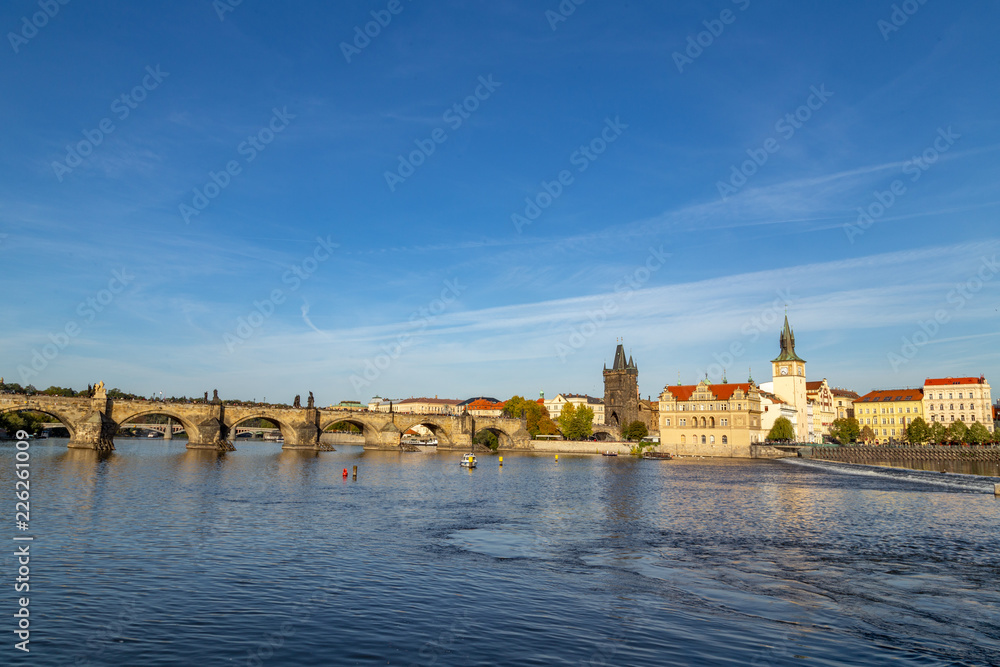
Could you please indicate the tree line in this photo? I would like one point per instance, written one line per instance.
(847, 430)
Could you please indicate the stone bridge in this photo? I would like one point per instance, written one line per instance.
(93, 422)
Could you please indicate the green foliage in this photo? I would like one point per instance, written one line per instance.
(635, 431)
(539, 422)
(782, 431)
(487, 439)
(58, 391)
(576, 423)
(918, 432)
(845, 430)
(958, 432)
(979, 434)
(339, 426)
(639, 448)
(27, 421)
(867, 434)
(938, 433)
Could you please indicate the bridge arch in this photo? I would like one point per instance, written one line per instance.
(189, 428)
(63, 419)
(369, 430)
(441, 433)
(282, 424)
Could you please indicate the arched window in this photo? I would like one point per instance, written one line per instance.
(683, 440)
(711, 422)
(703, 440)
(725, 440)
(711, 439)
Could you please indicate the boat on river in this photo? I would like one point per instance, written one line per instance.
(609, 453)
(657, 456)
(469, 461)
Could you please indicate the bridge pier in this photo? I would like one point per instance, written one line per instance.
(97, 430)
(211, 433)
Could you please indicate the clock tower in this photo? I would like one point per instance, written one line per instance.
(789, 376)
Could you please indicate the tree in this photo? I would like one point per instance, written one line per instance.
(635, 431)
(918, 432)
(782, 430)
(538, 420)
(487, 439)
(938, 433)
(958, 432)
(576, 423)
(867, 434)
(845, 430)
(979, 434)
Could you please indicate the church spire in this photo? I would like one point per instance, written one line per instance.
(787, 344)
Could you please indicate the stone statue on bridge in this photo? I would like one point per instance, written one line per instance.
(311, 404)
(215, 396)
(99, 391)
(298, 401)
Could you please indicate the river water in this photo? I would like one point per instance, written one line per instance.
(161, 556)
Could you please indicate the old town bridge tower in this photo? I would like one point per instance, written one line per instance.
(621, 391)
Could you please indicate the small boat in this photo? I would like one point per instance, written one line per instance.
(469, 461)
(609, 453)
(657, 456)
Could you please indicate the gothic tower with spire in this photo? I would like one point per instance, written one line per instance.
(621, 391)
(789, 376)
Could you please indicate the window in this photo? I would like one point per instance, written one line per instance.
(884, 432)
(724, 422)
(960, 394)
(725, 440)
(953, 417)
(950, 396)
(667, 423)
(962, 417)
(933, 418)
(951, 406)
(683, 440)
(893, 431)
(682, 422)
(703, 440)
(941, 406)
(961, 406)
(973, 417)
(711, 439)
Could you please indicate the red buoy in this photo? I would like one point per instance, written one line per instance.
(345, 472)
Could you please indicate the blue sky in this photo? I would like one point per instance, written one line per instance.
(309, 268)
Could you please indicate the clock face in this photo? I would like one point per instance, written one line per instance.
(784, 370)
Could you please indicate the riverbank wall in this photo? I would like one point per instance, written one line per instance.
(866, 454)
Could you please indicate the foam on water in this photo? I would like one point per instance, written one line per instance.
(955, 481)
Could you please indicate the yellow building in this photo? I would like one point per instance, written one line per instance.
(843, 403)
(710, 419)
(889, 411)
(821, 397)
(963, 399)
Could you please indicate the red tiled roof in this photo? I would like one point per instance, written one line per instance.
(937, 381)
(483, 404)
(433, 401)
(722, 392)
(880, 395)
(845, 393)
(812, 386)
(772, 397)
